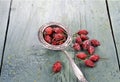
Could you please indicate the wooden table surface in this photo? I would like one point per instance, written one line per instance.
(22, 59)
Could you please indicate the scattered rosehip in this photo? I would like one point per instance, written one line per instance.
(76, 47)
(84, 37)
(48, 30)
(91, 50)
(57, 36)
(89, 63)
(57, 66)
(82, 42)
(95, 42)
(86, 44)
(94, 57)
(78, 40)
(81, 55)
(85, 32)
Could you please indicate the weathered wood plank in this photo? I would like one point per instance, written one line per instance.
(95, 19)
(4, 11)
(26, 61)
(114, 8)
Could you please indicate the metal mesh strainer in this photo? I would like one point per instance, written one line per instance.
(61, 47)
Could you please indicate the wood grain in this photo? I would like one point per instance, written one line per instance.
(4, 11)
(26, 61)
(114, 8)
(96, 21)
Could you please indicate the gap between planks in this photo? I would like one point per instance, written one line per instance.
(5, 39)
(111, 26)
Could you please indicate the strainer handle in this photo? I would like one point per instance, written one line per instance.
(75, 68)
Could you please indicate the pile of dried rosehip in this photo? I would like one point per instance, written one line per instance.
(87, 47)
(54, 35)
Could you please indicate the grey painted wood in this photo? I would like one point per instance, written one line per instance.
(4, 10)
(26, 61)
(114, 7)
(94, 18)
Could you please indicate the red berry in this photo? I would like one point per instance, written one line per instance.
(54, 43)
(58, 36)
(91, 50)
(84, 37)
(58, 30)
(89, 63)
(61, 42)
(76, 46)
(48, 30)
(85, 32)
(78, 40)
(48, 38)
(95, 42)
(94, 57)
(81, 55)
(86, 44)
(57, 66)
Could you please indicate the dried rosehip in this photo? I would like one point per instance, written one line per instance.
(61, 42)
(95, 42)
(86, 44)
(78, 40)
(57, 66)
(85, 32)
(81, 55)
(54, 43)
(58, 36)
(76, 46)
(55, 35)
(94, 57)
(91, 50)
(48, 30)
(89, 63)
(58, 30)
(84, 37)
(48, 38)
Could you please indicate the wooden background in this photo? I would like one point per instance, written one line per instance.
(22, 59)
